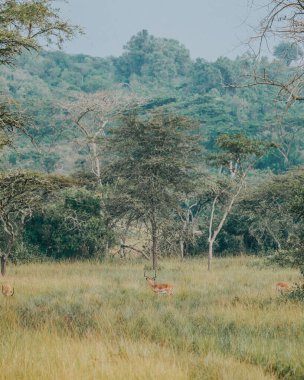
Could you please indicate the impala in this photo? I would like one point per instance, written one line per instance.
(282, 286)
(159, 288)
(7, 290)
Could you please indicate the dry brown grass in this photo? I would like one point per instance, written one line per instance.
(101, 321)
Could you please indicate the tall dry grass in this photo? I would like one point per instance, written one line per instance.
(101, 321)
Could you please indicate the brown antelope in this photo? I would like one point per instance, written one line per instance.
(159, 288)
(282, 286)
(7, 290)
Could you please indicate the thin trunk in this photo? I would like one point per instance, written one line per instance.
(210, 254)
(3, 265)
(106, 248)
(96, 163)
(181, 244)
(122, 248)
(213, 234)
(123, 239)
(154, 246)
(276, 240)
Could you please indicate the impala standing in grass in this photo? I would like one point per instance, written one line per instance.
(159, 288)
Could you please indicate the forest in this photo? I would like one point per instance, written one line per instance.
(234, 149)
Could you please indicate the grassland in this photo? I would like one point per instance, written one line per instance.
(101, 321)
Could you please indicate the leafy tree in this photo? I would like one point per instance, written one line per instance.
(237, 156)
(288, 52)
(20, 194)
(24, 25)
(203, 77)
(155, 59)
(151, 167)
(275, 213)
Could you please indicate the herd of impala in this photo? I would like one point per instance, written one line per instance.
(281, 286)
(8, 290)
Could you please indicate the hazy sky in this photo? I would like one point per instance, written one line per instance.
(208, 28)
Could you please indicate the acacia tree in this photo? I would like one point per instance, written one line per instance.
(237, 157)
(151, 165)
(26, 25)
(20, 194)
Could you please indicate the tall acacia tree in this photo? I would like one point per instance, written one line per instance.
(26, 25)
(20, 194)
(151, 164)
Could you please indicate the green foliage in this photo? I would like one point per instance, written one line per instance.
(149, 57)
(152, 160)
(72, 227)
(288, 52)
(161, 70)
(296, 293)
(24, 23)
(239, 152)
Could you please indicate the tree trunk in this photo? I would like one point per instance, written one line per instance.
(182, 248)
(106, 249)
(3, 265)
(210, 255)
(96, 163)
(154, 246)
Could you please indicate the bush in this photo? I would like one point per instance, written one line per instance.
(73, 227)
(296, 293)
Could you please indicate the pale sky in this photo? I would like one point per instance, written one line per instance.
(208, 28)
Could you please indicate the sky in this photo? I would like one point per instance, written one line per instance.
(208, 28)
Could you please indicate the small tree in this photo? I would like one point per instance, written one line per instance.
(20, 194)
(239, 155)
(151, 165)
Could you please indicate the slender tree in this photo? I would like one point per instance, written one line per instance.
(237, 157)
(151, 165)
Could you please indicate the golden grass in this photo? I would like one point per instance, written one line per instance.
(101, 321)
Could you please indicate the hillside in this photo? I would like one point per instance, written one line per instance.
(155, 68)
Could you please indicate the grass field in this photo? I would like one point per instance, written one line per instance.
(101, 321)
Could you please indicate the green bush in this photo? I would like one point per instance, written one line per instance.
(73, 227)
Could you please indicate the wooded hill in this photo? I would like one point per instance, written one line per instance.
(160, 70)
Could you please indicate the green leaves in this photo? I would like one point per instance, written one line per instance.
(238, 153)
(24, 23)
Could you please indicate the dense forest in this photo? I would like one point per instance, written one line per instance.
(185, 155)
